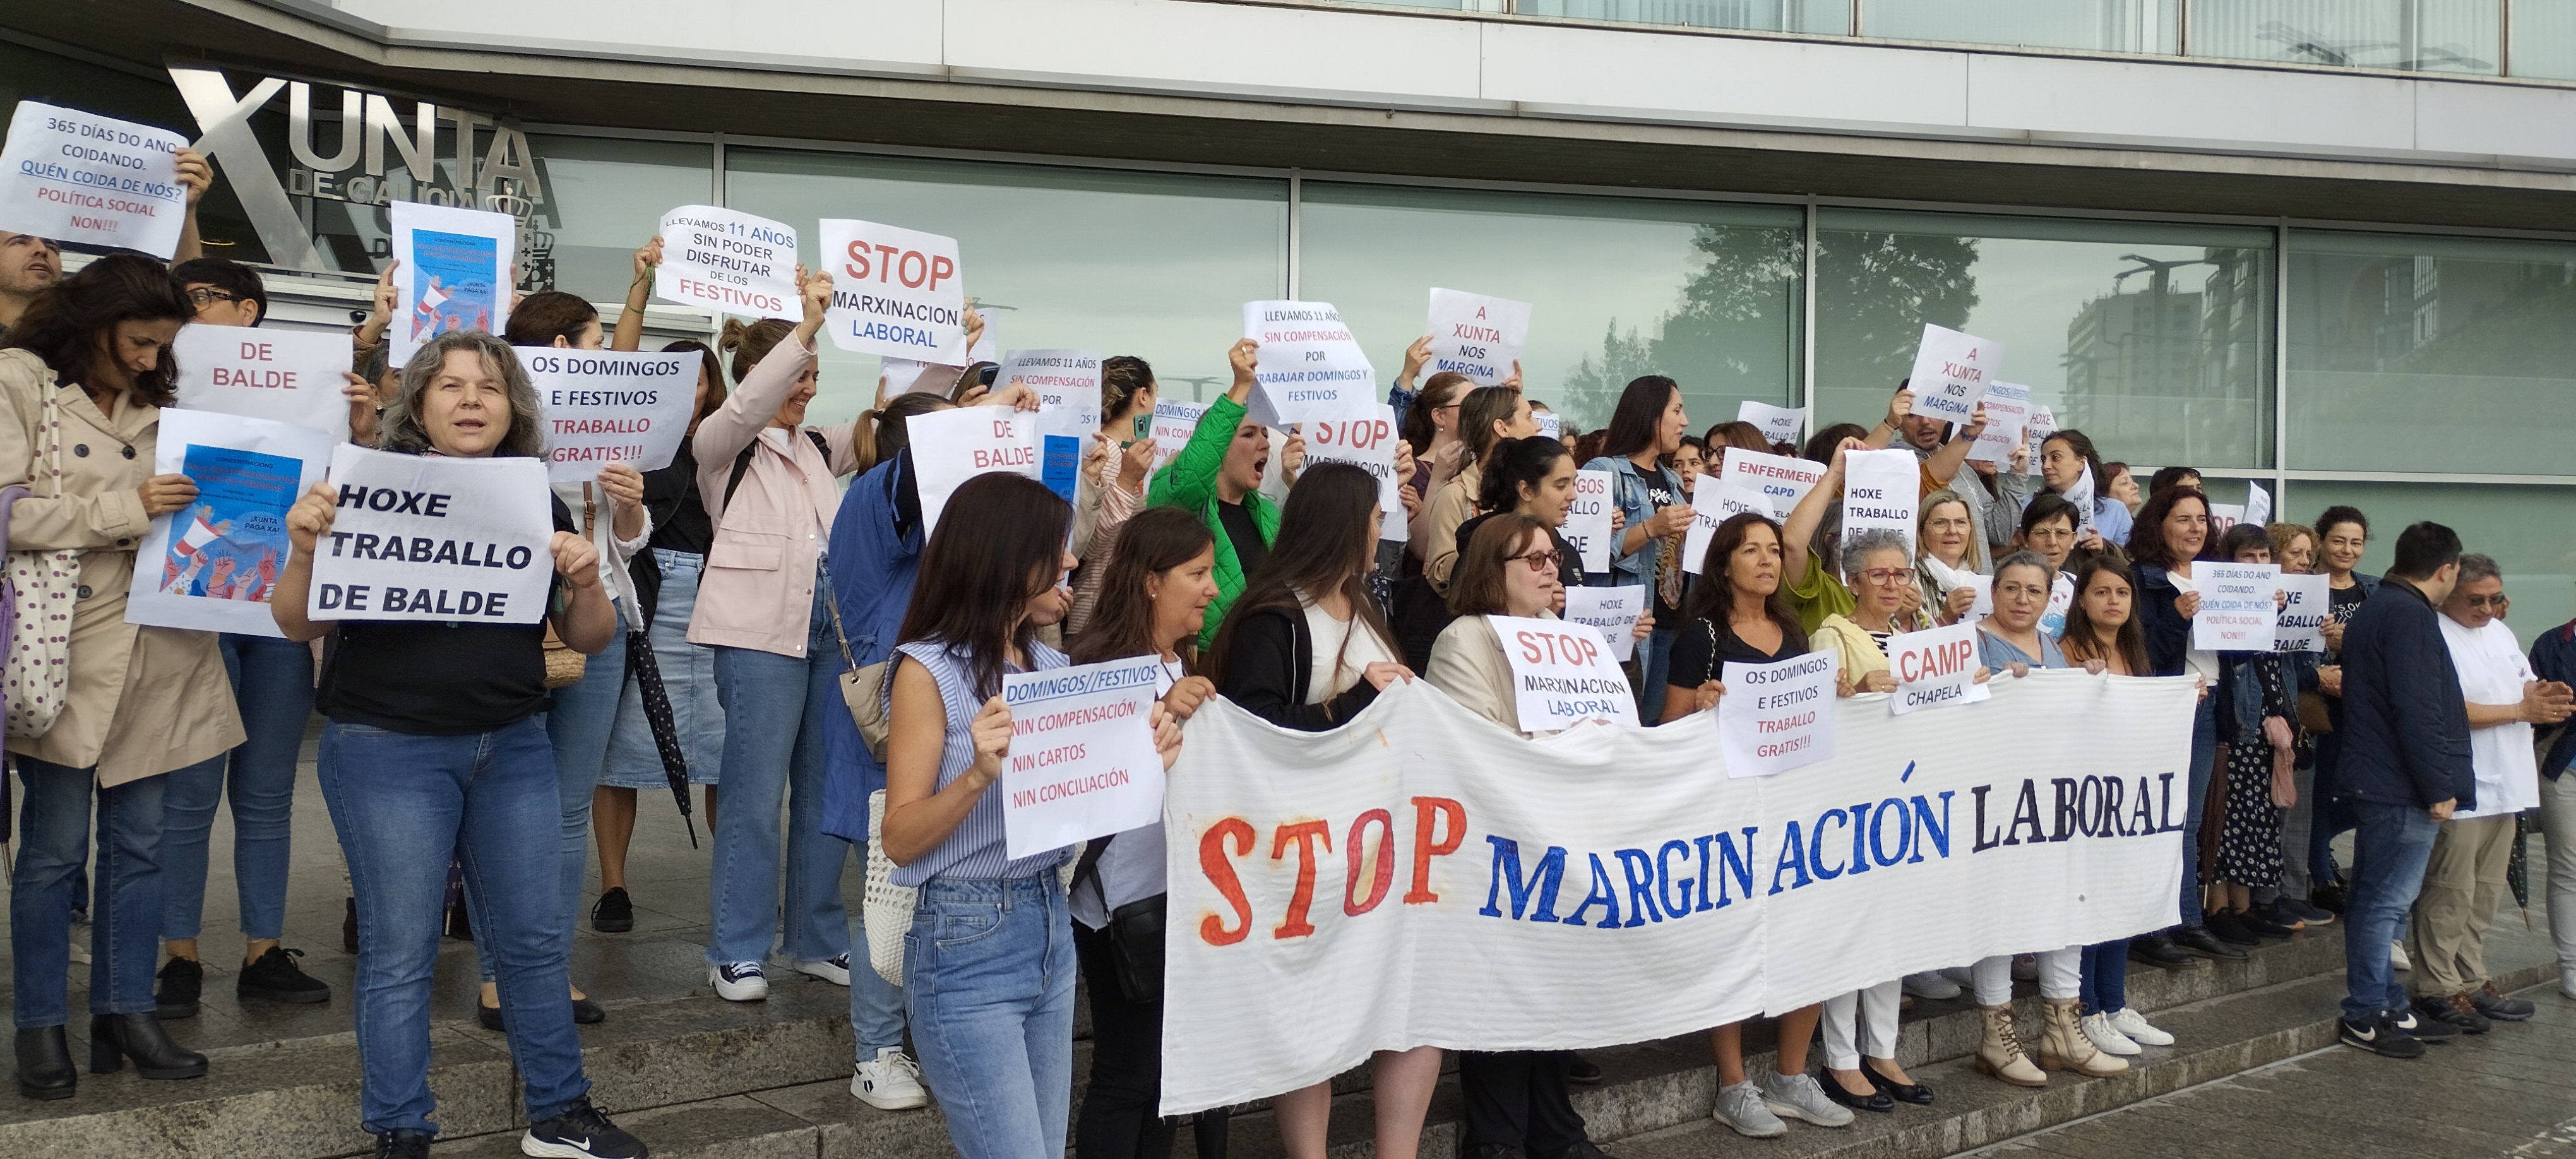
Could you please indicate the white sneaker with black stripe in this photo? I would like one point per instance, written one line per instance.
(835, 969)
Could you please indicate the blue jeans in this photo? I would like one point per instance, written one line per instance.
(2204, 749)
(273, 684)
(2390, 846)
(988, 980)
(578, 727)
(774, 709)
(1654, 661)
(403, 804)
(2105, 985)
(53, 832)
(688, 675)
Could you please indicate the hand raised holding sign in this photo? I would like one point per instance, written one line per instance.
(310, 519)
(1415, 356)
(815, 291)
(576, 560)
(1292, 457)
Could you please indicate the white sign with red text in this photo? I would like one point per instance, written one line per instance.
(79, 177)
(2237, 612)
(1082, 762)
(952, 446)
(1779, 479)
(611, 406)
(1776, 717)
(1934, 668)
(1563, 674)
(286, 376)
(727, 261)
(1365, 439)
(1174, 423)
(1951, 373)
(895, 292)
(1476, 336)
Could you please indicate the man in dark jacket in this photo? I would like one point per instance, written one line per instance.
(2405, 768)
(2553, 657)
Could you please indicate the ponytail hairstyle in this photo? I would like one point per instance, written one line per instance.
(1323, 546)
(68, 320)
(1153, 541)
(888, 420)
(1438, 391)
(978, 574)
(713, 368)
(1514, 462)
(2082, 638)
(542, 317)
(749, 342)
(1483, 407)
(1122, 378)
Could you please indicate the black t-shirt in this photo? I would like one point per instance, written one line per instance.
(437, 679)
(1695, 662)
(680, 520)
(1249, 548)
(1663, 491)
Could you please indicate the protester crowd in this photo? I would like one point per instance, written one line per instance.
(469, 769)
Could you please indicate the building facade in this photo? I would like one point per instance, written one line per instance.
(2326, 245)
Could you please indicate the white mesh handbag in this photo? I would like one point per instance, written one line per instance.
(885, 907)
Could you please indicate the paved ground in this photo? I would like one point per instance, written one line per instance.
(2509, 1092)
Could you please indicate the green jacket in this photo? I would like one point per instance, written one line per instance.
(1189, 480)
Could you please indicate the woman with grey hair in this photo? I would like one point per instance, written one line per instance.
(433, 745)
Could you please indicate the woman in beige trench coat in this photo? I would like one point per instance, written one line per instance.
(138, 702)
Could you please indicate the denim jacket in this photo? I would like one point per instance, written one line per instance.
(1628, 489)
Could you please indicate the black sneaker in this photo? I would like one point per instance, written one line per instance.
(2328, 896)
(402, 1145)
(2159, 950)
(2203, 941)
(2378, 1036)
(2291, 907)
(276, 977)
(2268, 922)
(615, 913)
(1588, 1072)
(2423, 1029)
(2455, 1010)
(2229, 927)
(580, 1133)
(2500, 1006)
(180, 982)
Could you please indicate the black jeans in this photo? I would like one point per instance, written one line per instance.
(1519, 1099)
(1118, 1118)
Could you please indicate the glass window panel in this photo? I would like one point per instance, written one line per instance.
(604, 197)
(2407, 352)
(2414, 35)
(2153, 338)
(2100, 25)
(1827, 17)
(1705, 292)
(1147, 264)
(2543, 39)
(2526, 529)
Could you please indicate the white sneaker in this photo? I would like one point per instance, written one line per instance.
(1740, 1106)
(835, 969)
(739, 981)
(2135, 1026)
(1931, 985)
(890, 1082)
(1800, 1096)
(2397, 959)
(2106, 1038)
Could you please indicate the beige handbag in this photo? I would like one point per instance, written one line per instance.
(564, 667)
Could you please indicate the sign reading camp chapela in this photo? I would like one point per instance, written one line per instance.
(611, 406)
(1301, 864)
(895, 292)
(727, 261)
(1308, 366)
(420, 537)
(1082, 762)
(287, 376)
(1476, 336)
(1934, 668)
(1951, 373)
(218, 557)
(80, 177)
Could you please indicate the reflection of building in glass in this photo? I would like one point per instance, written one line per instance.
(2165, 364)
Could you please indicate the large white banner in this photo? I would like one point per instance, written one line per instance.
(727, 261)
(211, 564)
(80, 177)
(420, 537)
(455, 275)
(610, 406)
(1308, 366)
(1476, 336)
(1327, 889)
(895, 291)
(287, 376)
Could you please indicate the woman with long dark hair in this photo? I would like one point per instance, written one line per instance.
(1645, 428)
(1305, 648)
(1150, 603)
(1532, 477)
(1489, 416)
(85, 372)
(2343, 533)
(2171, 533)
(2101, 628)
(988, 966)
(2066, 460)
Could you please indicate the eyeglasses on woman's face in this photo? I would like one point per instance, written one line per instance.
(1884, 575)
(201, 295)
(1541, 561)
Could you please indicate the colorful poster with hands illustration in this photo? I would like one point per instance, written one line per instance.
(455, 272)
(211, 564)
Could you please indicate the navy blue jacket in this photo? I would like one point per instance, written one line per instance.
(2553, 657)
(2405, 722)
(2168, 631)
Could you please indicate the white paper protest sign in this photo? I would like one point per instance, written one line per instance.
(895, 291)
(727, 261)
(287, 376)
(1949, 579)
(2223, 516)
(1476, 336)
(2301, 627)
(1365, 439)
(1781, 481)
(2080, 493)
(952, 446)
(1879, 492)
(1780, 424)
(1951, 373)
(212, 564)
(1776, 717)
(1549, 424)
(2237, 613)
(1067, 383)
(1713, 502)
(455, 273)
(1174, 423)
(1308, 365)
(79, 177)
(611, 406)
(1613, 612)
(422, 537)
(2061, 596)
(1587, 520)
(1082, 762)
(2007, 414)
(1562, 674)
(2035, 431)
(1934, 668)
(2258, 505)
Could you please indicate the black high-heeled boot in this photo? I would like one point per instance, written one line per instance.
(45, 1064)
(113, 1038)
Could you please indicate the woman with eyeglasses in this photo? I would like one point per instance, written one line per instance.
(2294, 547)
(2172, 530)
(2048, 531)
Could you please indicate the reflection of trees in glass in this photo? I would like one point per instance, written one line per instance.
(1733, 335)
(1874, 292)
